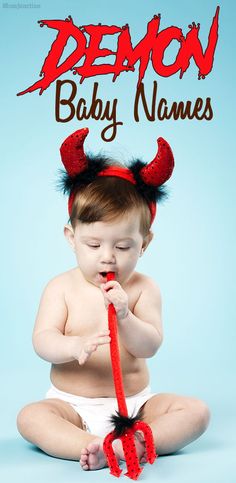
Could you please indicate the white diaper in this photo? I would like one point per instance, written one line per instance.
(96, 411)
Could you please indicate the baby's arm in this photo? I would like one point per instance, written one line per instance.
(49, 340)
(141, 331)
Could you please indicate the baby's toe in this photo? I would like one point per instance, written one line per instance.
(139, 435)
(93, 461)
(83, 458)
(93, 447)
(84, 463)
(84, 451)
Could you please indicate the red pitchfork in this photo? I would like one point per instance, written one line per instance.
(127, 436)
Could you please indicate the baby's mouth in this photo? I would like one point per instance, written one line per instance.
(103, 275)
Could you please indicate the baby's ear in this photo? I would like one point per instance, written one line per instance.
(148, 238)
(69, 234)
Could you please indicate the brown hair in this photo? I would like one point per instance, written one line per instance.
(108, 198)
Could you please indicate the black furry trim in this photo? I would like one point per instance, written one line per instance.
(150, 193)
(121, 423)
(67, 183)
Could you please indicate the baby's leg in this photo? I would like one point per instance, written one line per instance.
(175, 420)
(54, 427)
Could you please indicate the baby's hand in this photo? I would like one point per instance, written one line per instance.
(87, 345)
(114, 293)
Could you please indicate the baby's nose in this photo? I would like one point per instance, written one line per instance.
(108, 256)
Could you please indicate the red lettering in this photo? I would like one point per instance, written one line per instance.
(88, 69)
(163, 41)
(142, 50)
(153, 45)
(51, 70)
(192, 48)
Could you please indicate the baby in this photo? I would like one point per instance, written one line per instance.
(111, 211)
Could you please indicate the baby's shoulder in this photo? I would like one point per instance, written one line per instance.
(144, 282)
(62, 281)
(149, 294)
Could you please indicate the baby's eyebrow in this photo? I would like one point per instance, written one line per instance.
(100, 239)
(125, 239)
(90, 238)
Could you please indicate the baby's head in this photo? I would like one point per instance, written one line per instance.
(109, 228)
(109, 199)
(111, 208)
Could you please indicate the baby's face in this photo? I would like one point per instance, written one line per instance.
(101, 247)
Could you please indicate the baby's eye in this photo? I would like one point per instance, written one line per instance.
(123, 248)
(93, 246)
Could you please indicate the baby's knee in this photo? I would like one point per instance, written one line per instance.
(202, 412)
(25, 419)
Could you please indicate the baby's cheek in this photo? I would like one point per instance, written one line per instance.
(132, 260)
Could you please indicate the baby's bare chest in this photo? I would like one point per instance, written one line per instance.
(86, 311)
(85, 317)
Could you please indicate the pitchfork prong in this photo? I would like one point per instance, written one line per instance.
(148, 439)
(110, 454)
(131, 458)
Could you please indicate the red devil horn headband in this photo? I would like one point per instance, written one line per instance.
(151, 175)
(160, 169)
(72, 152)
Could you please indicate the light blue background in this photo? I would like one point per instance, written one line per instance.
(192, 256)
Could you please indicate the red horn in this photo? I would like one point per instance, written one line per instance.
(159, 170)
(72, 152)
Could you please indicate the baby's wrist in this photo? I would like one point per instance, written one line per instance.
(123, 318)
(75, 346)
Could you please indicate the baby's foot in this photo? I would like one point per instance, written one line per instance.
(92, 457)
(140, 447)
(139, 444)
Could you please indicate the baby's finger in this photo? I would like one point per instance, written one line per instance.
(87, 351)
(83, 358)
(91, 347)
(108, 285)
(103, 340)
(103, 332)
